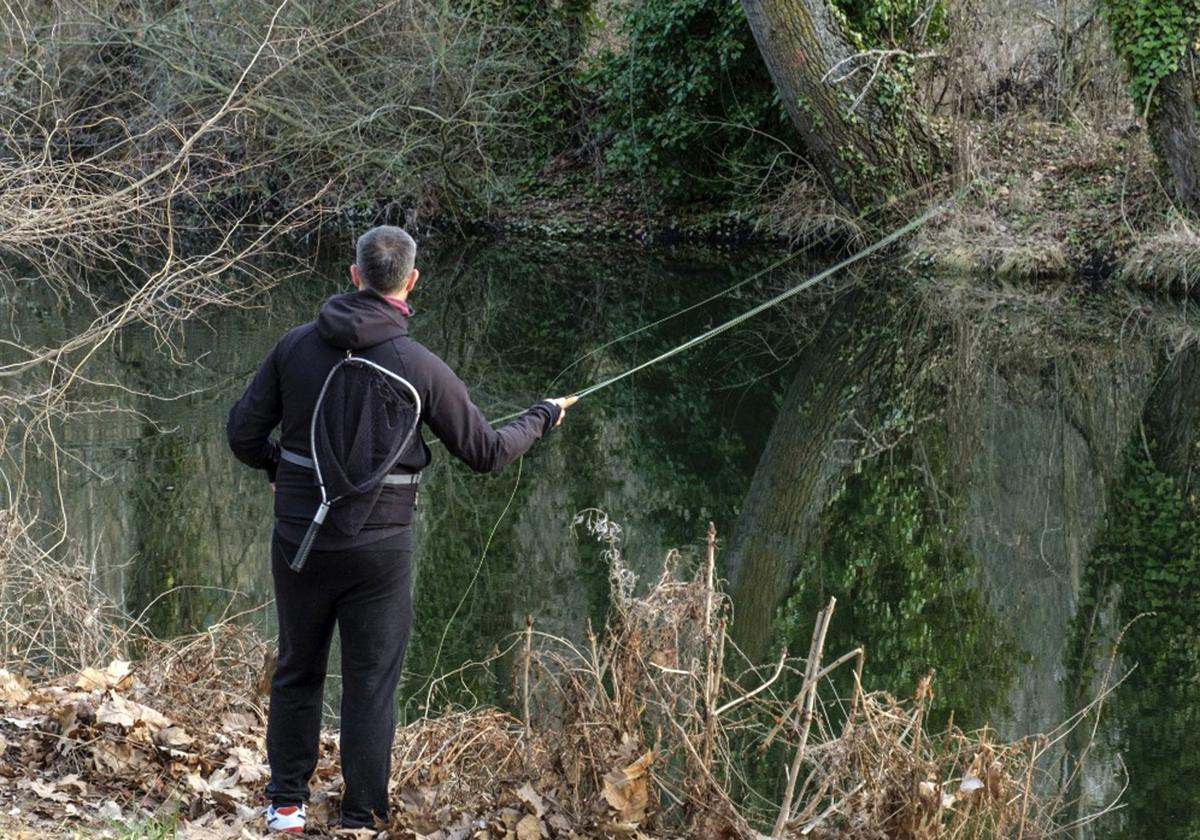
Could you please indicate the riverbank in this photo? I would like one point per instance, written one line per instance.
(563, 131)
(1081, 204)
(636, 732)
(1049, 201)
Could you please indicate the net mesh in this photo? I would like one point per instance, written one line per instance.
(363, 422)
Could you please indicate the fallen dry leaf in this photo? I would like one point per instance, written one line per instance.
(250, 765)
(117, 757)
(46, 790)
(238, 721)
(13, 688)
(530, 828)
(172, 736)
(118, 670)
(627, 790)
(21, 723)
(995, 780)
(118, 711)
(123, 712)
(68, 722)
(118, 674)
(532, 799)
(73, 781)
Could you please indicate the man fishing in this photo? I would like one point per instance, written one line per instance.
(337, 434)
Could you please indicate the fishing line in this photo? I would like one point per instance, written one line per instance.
(764, 306)
(892, 237)
(726, 291)
(675, 351)
(470, 586)
(716, 295)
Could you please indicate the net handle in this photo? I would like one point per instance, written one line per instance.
(309, 538)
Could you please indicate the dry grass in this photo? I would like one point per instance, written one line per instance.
(804, 213)
(54, 617)
(1167, 262)
(649, 729)
(1043, 200)
(976, 242)
(643, 732)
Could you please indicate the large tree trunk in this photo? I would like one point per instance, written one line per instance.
(806, 458)
(1172, 420)
(1175, 125)
(867, 146)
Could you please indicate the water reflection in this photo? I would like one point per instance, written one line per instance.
(948, 484)
(952, 470)
(181, 529)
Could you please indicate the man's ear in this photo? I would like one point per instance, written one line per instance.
(355, 276)
(412, 280)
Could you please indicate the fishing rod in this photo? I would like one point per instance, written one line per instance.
(728, 290)
(875, 247)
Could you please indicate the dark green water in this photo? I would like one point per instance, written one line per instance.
(965, 472)
(165, 507)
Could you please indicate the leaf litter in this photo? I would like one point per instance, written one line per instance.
(642, 732)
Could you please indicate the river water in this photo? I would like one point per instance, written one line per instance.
(966, 471)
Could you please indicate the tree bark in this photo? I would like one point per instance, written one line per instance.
(865, 151)
(807, 456)
(1172, 420)
(1175, 126)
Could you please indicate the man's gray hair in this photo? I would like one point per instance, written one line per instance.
(385, 256)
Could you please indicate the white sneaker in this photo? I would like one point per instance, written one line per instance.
(288, 819)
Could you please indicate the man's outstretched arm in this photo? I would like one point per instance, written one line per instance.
(461, 426)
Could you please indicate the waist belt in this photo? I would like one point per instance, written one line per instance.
(391, 479)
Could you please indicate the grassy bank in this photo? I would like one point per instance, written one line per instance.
(1043, 202)
(1049, 201)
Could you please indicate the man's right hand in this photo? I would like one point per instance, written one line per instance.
(563, 403)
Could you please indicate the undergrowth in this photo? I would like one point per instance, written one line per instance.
(645, 729)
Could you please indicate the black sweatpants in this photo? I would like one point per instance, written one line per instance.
(366, 592)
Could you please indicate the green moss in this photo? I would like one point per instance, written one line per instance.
(1147, 566)
(905, 585)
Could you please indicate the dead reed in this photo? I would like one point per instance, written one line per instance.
(655, 727)
(1168, 262)
(54, 617)
(645, 730)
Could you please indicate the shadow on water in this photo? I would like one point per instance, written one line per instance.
(991, 483)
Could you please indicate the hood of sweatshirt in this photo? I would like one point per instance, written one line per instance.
(357, 320)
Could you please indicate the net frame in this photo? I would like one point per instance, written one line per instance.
(314, 528)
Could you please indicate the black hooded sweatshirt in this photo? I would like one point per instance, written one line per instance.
(285, 389)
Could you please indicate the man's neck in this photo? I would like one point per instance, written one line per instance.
(400, 303)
